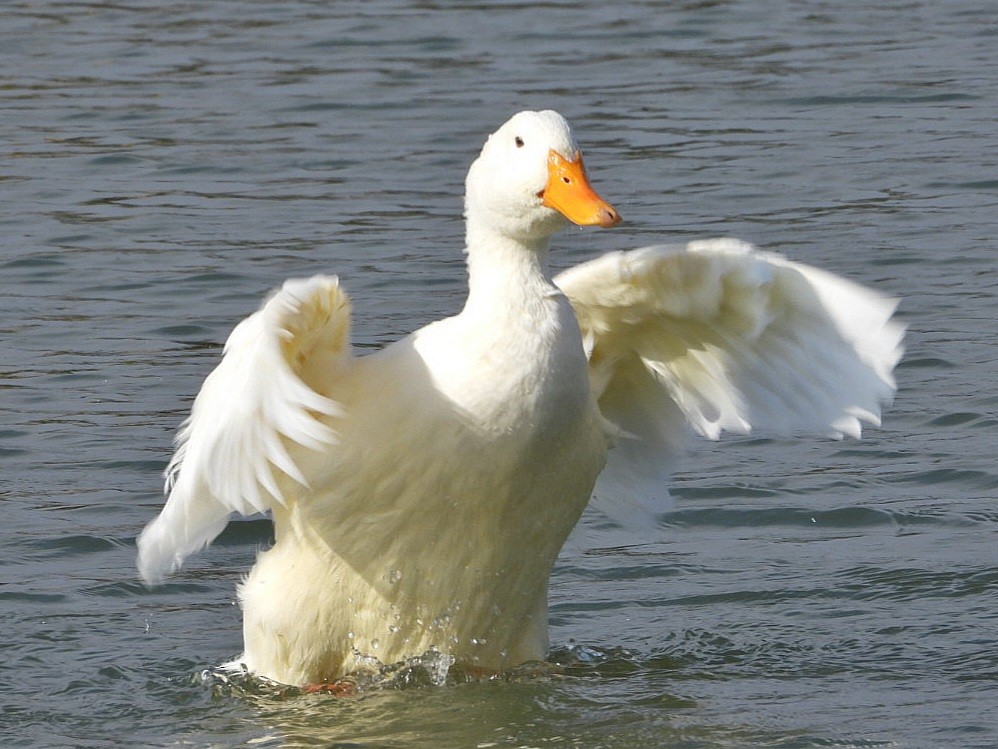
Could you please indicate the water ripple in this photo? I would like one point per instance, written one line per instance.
(164, 166)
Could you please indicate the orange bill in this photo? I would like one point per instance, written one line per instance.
(569, 193)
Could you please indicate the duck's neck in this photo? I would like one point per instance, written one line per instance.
(505, 274)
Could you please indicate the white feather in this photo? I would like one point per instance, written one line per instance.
(254, 412)
(730, 338)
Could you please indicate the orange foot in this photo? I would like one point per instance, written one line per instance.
(341, 688)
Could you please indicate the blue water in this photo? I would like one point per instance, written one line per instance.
(163, 165)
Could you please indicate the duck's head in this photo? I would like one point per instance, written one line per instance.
(529, 181)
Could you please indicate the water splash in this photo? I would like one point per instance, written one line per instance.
(431, 669)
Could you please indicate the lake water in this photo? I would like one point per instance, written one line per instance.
(162, 165)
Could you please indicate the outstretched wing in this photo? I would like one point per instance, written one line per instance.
(260, 407)
(719, 336)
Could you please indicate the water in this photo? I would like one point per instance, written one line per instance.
(162, 165)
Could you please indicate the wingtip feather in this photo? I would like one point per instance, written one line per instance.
(254, 413)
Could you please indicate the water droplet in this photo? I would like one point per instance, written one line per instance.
(349, 635)
(375, 643)
(394, 576)
(437, 665)
(394, 629)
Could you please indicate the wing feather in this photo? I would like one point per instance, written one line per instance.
(718, 336)
(264, 402)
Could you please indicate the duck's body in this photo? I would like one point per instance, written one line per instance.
(384, 556)
(421, 494)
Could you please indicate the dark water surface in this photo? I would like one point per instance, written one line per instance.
(162, 165)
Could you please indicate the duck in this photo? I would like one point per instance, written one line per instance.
(420, 494)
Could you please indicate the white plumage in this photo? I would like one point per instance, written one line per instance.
(421, 494)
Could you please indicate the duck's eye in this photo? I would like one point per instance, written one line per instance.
(519, 142)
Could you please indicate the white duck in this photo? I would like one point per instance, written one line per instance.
(421, 494)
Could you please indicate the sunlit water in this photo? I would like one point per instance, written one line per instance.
(162, 165)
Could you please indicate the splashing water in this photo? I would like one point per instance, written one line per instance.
(431, 669)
